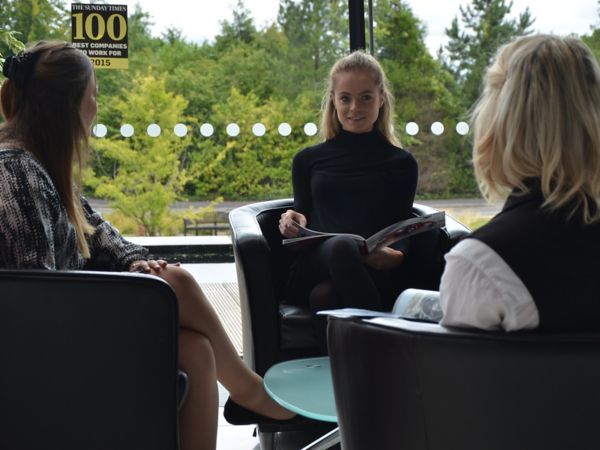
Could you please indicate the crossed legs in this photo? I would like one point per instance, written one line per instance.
(207, 355)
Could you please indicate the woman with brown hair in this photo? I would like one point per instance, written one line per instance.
(49, 103)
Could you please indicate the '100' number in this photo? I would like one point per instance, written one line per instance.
(107, 26)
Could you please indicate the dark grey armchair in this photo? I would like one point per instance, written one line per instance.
(420, 386)
(88, 360)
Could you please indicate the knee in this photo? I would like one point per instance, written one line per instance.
(343, 247)
(323, 296)
(177, 277)
(195, 352)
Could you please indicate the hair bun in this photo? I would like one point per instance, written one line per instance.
(8, 67)
(19, 67)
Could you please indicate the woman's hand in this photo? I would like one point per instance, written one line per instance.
(288, 223)
(150, 266)
(385, 258)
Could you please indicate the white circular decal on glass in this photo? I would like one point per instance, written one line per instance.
(259, 129)
(153, 130)
(100, 130)
(180, 130)
(310, 129)
(127, 130)
(462, 128)
(284, 129)
(412, 128)
(233, 129)
(437, 128)
(206, 129)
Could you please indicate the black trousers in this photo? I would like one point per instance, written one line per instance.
(333, 275)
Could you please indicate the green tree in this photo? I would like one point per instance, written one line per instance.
(146, 175)
(425, 92)
(484, 27)
(142, 51)
(9, 40)
(240, 30)
(593, 39)
(248, 166)
(33, 20)
(317, 35)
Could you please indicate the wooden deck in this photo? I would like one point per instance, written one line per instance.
(225, 298)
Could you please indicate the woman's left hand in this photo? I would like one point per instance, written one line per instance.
(150, 266)
(385, 258)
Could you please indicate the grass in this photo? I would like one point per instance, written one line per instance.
(473, 221)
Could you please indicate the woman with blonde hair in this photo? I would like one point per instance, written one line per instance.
(537, 137)
(357, 181)
(49, 103)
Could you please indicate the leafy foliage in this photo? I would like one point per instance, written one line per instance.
(267, 75)
(484, 27)
(33, 20)
(423, 88)
(146, 175)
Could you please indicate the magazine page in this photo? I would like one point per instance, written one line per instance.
(308, 237)
(308, 232)
(418, 304)
(405, 229)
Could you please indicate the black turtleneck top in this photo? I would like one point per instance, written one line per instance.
(354, 183)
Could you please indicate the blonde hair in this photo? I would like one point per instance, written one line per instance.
(43, 114)
(539, 116)
(356, 61)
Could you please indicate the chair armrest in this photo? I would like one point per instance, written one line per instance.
(427, 252)
(183, 386)
(254, 266)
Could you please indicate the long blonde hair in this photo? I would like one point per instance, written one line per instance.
(41, 102)
(359, 60)
(539, 116)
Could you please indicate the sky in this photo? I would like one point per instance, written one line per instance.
(199, 20)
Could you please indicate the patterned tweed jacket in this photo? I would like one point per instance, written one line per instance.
(35, 231)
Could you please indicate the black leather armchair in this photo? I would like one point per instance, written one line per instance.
(418, 386)
(274, 331)
(88, 360)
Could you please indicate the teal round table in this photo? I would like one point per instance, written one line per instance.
(305, 387)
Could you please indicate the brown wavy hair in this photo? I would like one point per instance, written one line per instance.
(43, 115)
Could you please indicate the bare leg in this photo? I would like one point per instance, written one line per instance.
(196, 314)
(198, 418)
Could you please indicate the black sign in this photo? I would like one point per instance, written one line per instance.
(100, 31)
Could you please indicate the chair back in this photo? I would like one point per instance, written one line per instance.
(417, 386)
(88, 360)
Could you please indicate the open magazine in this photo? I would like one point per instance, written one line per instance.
(383, 238)
(413, 304)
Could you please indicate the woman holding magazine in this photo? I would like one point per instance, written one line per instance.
(537, 136)
(49, 103)
(357, 181)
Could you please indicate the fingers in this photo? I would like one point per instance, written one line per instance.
(384, 258)
(150, 266)
(290, 222)
(139, 266)
(288, 227)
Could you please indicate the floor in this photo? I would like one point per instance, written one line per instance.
(219, 283)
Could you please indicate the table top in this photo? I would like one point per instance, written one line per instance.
(303, 386)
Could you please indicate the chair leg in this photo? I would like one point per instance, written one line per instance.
(266, 440)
